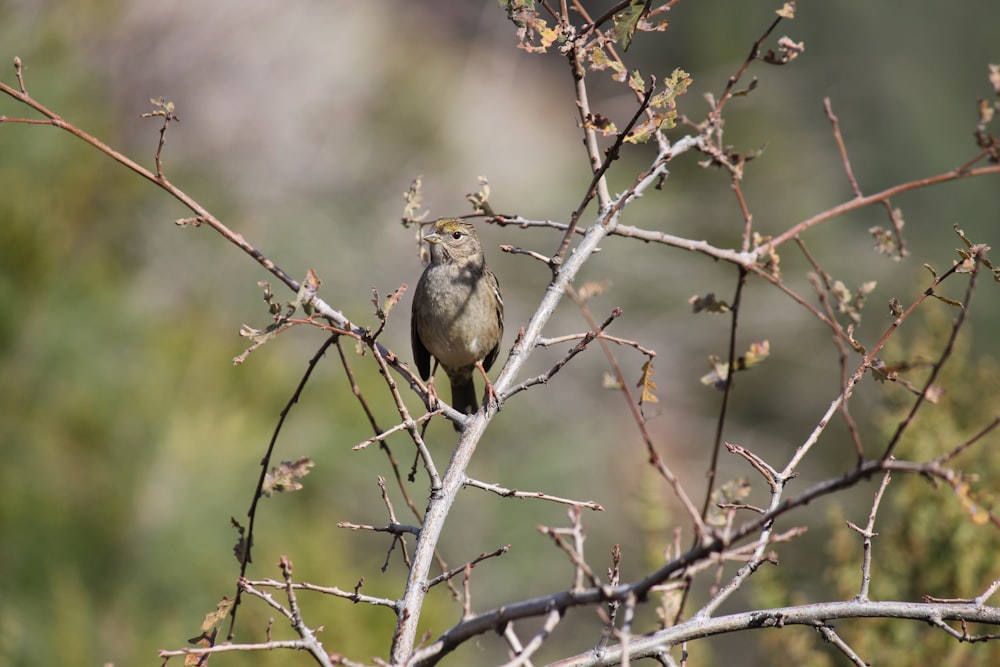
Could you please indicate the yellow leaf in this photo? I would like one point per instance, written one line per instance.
(647, 385)
(787, 11)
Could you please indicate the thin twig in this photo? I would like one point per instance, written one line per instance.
(514, 493)
(408, 421)
(598, 182)
(878, 197)
(948, 456)
(265, 464)
(523, 658)
(586, 339)
(468, 566)
(514, 642)
(575, 551)
(353, 596)
(830, 635)
(701, 530)
(839, 340)
(849, 171)
(558, 340)
(868, 533)
(392, 528)
(839, 138)
(727, 393)
(945, 353)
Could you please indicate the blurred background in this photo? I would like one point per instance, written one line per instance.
(129, 439)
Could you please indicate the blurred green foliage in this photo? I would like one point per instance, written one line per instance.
(929, 542)
(128, 437)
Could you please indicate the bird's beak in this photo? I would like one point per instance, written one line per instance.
(433, 237)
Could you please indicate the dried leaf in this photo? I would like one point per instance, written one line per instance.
(717, 376)
(972, 503)
(768, 259)
(858, 347)
(883, 372)
(626, 21)
(642, 132)
(652, 21)
(851, 303)
(209, 626)
(282, 479)
(647, 385)
(636, 82)
(240, 548)
(307, 291)
(886, 241)
(609, 381)
(663, 106)
(600, 61)
(480, 200)
(393, 299)
(659, 25)
(533, 33)
(213, 618)
(414, 199)
(600, 123)
(934, 394)
(591, 289)
(950, 302)
(786, 53)
(754, 356)
(708, 304)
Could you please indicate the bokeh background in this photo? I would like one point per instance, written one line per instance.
(128, 437)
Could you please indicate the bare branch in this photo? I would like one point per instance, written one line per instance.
(514, 493)
(830, 635)
(868, 533)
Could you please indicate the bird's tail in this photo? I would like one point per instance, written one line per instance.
(463, 395)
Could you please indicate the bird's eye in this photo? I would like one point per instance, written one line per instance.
(456, 235)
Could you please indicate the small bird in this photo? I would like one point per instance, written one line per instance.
(457, 312)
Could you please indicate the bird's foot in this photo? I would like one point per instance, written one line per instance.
(490, 397)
